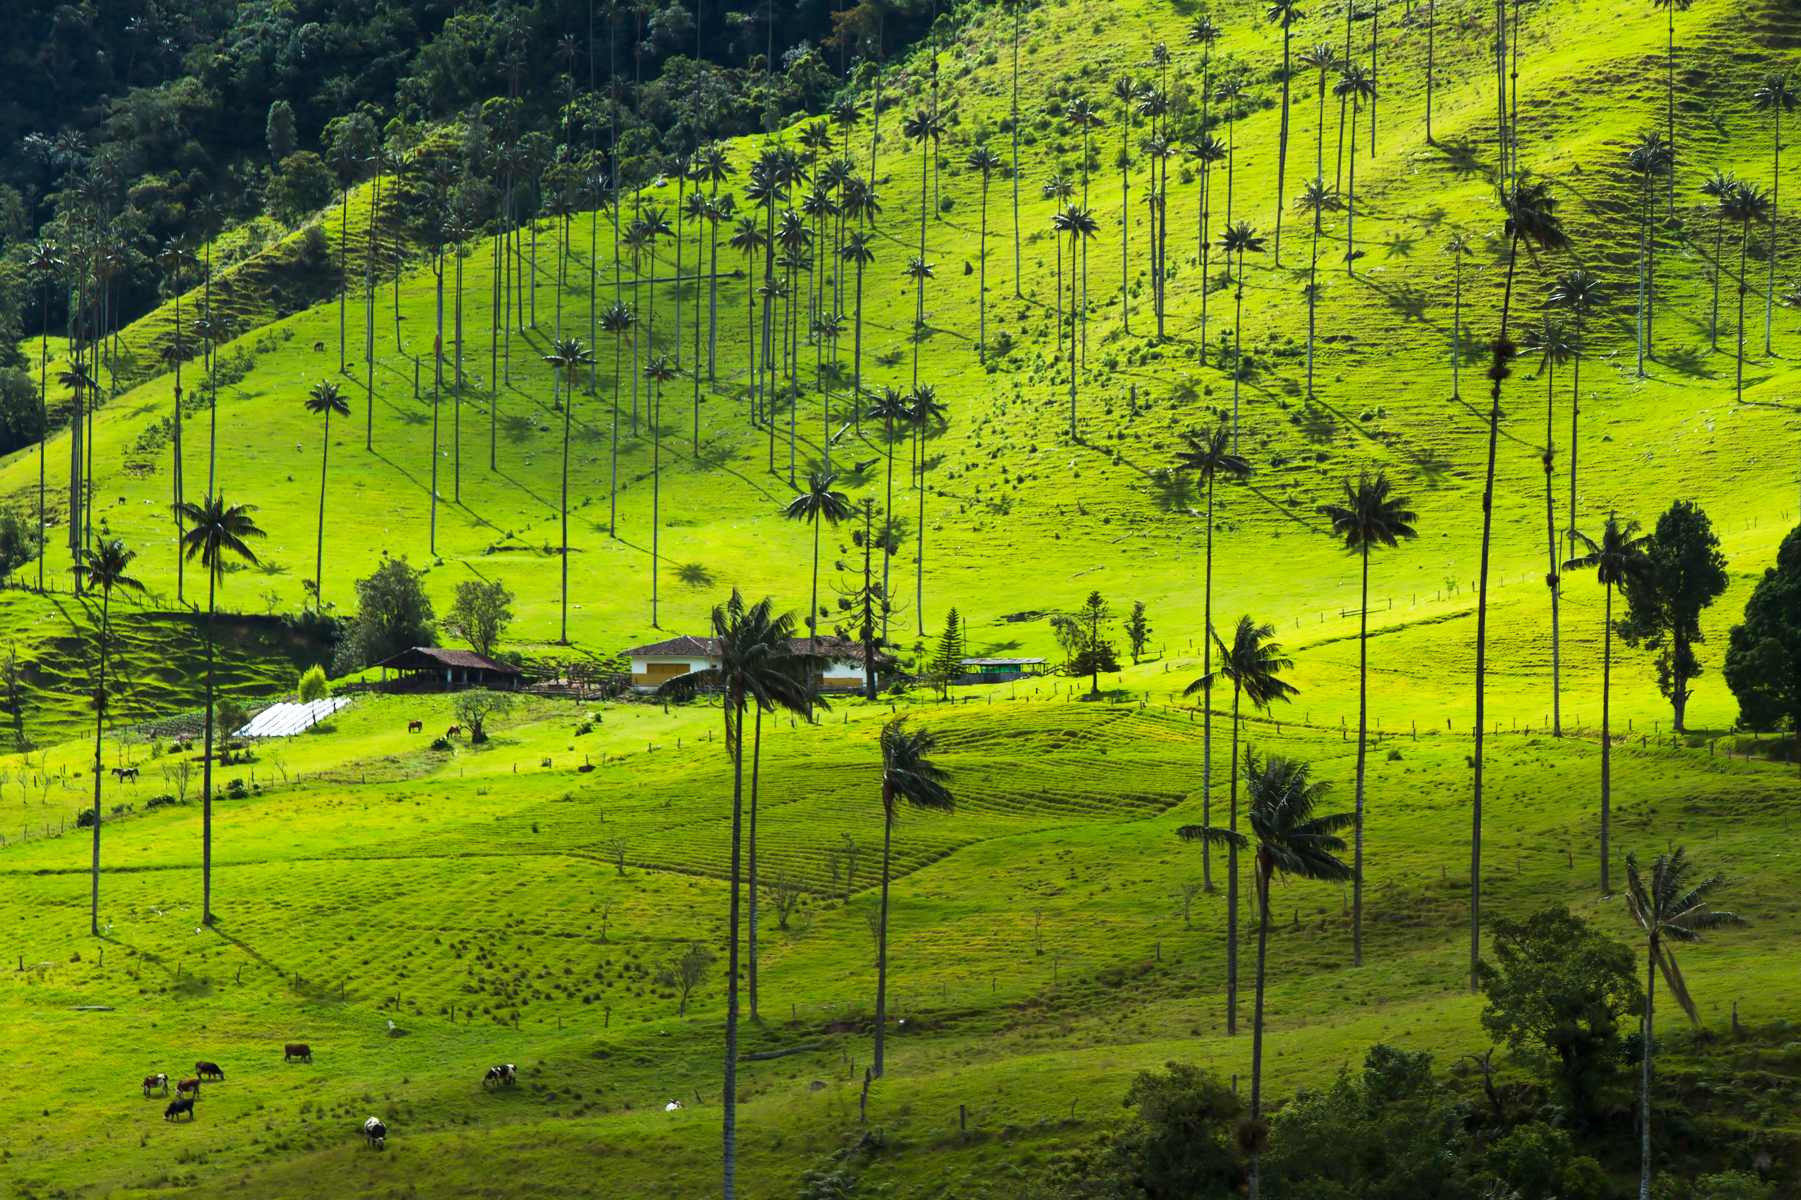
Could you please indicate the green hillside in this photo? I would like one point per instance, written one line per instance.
(417, 914)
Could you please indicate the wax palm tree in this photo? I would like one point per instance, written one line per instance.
(749, 240)
(1746, 205)
(1576, 291)
(1531, 217)
(1210, 456)
(1206, 150)
(711, 167)
(820, 505)
(1671, 8)
(757, 669)
(617, 319)
(216, 531)
(105, 569)
(924, 127)
(1649, 158)
(1673, 907)
(1717, 187)
(1369, 515)
(985, 161)
(1078, 225)
(1239, 239)
(1253, 662)
(1774, 96)
(1354, 86)
(919, 270)
(909, 779)
(657, 371)
(1019, 9)
(1282, 803)
(859, 248)
(1126, 90)
(1318, 199)
(567, 355)
(1321, 58)
(893, 410)
(924, 410)
(1618, 560)
(323, 400)
(1548, 341)
(1284, 13)
(1458, 247)
(44, 266)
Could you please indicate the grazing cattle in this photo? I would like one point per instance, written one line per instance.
(453, 731)
(415, 726)
(672, 1106)
(188, 1085)
(500, 1074)
(124, 773)
(176, 1108)
(208, 1070)
(375, 1133)
(319, 346)
(156, 1082)
(294, 1050)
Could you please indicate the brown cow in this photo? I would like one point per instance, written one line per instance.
(186, 1086)
(415, 726)
(294, 1050)
(453, 731)
(208, 1070)
(154, 1082)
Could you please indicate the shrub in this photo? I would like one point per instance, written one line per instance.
(313, 685)
(235, 790)
(84, 818)
(442, 743)
(160, 801)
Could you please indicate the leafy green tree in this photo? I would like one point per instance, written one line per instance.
(948, 653)
(1253, 663)
(1664, 604)
(301, 185)
(1560, 988)
(1178, 1146)
(323, 400)
(1290, 839)
(1094, 653)
(756, 670)
(687, 972)
(1370, 515)
(215, 530)
(1673, 906)
(1209, 455)
(230, 717)
(1138, 630)
(480, 613)
(279, 131)
(909, 778)
(1539, 1162)
(475, 707)
(313, 685)
(393, 613)
(1763, 658)
(106, 569)
(1617, 560)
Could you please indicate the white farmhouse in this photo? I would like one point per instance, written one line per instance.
(659, 662)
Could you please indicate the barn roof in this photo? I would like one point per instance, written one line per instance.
(1002, 662)
(428, 658)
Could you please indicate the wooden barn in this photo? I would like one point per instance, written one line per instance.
(434, 669)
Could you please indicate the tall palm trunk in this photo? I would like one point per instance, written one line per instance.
(1363, 718)
(1713, 321)
(1237, 346)
(881, 954)
(1207, 698)
(1552, 578)
(1018, 12)
(856, 369)
(1769, 296)
(1744, 249)
(1606, 736)
(1457, 338)
(656, 495)
(1282, 139)
(1261, 875)
(319, 550)
(1312, 298)
(106, 596)
(1232, 879)
(563, 566)
(756, 762)
(206, 765)
(1644, 1093)
(1502, 347)
(1575, 418)
(1350, 206)
(982, 281)
(1125, 220)
(735, 705)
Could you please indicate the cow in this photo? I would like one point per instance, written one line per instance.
(208, 1070)
(176, 1108)
(415, 726)
(294, 1050)
(500, 1074)
(672, 1106)
(124, 773)
(319, 347)
(453, 731)
(188, 1085)
(154, 1082)
(375, 1133)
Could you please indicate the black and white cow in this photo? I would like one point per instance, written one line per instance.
(375, 1133)
(500, 1074)
(178, 1107)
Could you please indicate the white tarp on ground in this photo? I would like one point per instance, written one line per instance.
(286, 720)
